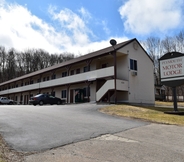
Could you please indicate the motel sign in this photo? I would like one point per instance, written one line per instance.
(172, 72)
(172, 69)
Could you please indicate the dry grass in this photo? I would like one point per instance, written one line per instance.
(160, 103)
(153, 114)
(7, 154)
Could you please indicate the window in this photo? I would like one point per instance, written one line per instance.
(133, 64)
(31, 82)
(53, 76)
(86, 91)
(53, 93)
(64, 74)
(78, 71)
(63, 94)
(44, 79)
(72, 72)
(104, 65)
(38, 81)
(86, 68)
(48, 78)
(27, 83)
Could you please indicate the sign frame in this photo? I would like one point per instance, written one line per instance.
(171, 67)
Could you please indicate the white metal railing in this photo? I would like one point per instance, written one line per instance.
(91, 75)
(121, 85)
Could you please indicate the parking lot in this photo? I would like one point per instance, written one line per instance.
(36, 128)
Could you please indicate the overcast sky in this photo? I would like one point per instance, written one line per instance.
(83, 26)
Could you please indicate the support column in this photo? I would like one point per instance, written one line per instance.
(115, 76)
(88, 86)
(67, 98)
(109, 97)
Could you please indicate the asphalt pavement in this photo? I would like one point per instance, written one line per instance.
(149, 143)
(28, 128)
(79, 133)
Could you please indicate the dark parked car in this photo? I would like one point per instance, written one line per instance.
(45, 99)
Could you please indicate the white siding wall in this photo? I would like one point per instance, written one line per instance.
(141, 87)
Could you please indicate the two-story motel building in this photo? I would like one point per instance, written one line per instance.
(120, 74)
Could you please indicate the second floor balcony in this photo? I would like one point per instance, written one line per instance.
(87, 76)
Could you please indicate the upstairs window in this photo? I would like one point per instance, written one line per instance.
(64, 74)
(86, 68)
(104, 65)
(53, 76)
(72, 72)
(133, 64)
(78, 71)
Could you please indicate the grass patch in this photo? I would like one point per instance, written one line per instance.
(153, 114)
(160, 103)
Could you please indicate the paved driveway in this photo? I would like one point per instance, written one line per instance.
(36, 128)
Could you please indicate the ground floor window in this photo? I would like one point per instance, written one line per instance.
(63, 94)
(86, 91)
(53, 93)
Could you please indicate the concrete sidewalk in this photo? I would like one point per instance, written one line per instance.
(153, 143)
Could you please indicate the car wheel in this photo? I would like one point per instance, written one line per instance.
(59, 103)
(41, 103)
(11, 103)
(34, 104)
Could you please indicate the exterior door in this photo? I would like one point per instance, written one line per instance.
(79, 95)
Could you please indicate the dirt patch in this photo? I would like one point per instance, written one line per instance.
(9, 155)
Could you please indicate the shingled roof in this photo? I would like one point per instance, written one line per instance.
(73, 61)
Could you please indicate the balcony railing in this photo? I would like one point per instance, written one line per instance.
(87, 76)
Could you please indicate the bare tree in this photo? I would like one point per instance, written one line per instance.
(11, 64)
(169, 44)
(2, 63)
(180, 41)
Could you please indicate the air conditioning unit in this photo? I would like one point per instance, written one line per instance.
(134, 73)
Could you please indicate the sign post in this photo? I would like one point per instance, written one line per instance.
(172, 72)
(175, 99)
